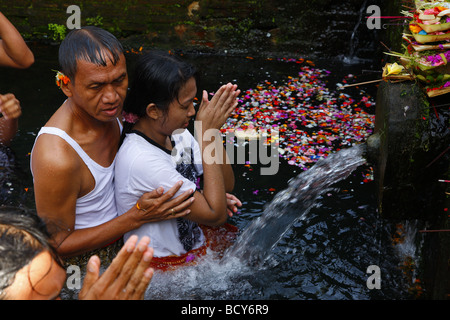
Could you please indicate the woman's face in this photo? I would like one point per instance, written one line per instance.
(42, 279)
(181, 110)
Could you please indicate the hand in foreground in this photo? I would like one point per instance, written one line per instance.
(158, 206)
(126, 278)
(232, 204)
(10, 106)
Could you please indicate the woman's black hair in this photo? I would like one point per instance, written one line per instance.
(91, 44)
(158, 78)
(23, 235)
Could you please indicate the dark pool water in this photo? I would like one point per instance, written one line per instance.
(324, 255)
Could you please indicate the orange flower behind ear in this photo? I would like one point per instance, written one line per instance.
(61, 79)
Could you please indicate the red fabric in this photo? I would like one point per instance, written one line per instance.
(218, 239)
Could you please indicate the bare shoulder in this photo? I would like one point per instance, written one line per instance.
(53, 153)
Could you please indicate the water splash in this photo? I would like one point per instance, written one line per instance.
(256, 242)
(207, 280)
(407, 245)
(232, 276)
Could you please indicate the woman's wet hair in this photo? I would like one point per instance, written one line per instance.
(91, 44)
(23, 235)
(158, 78)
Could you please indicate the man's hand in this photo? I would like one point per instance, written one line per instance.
(127, 278)
(158, 206)
(10, 106)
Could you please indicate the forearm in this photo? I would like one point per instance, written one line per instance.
(227, 172)
(8, 129)
(80, 241)
(13, 50)
(214, 190)
(217, 173)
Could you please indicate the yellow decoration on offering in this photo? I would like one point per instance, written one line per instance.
(394, 68)
(415, 28)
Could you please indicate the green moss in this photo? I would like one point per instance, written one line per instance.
(230, 24)
(95, 21)
(57, 31)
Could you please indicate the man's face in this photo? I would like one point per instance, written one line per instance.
(100, 91)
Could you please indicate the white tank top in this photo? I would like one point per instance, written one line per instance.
(98, 206)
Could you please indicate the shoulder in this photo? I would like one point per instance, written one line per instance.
(183, 135)
(184, 140)
(135, 147)
(57, 171)
(137, 157)
(53, 153)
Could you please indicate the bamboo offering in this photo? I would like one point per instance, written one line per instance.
(427, 49)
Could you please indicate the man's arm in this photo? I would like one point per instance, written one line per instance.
(13, 50)
(10, 112)
(57, 184)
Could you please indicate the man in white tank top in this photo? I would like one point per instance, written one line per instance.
(73, 156)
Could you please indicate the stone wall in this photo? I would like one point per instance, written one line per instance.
(410, 136)
(321, 27)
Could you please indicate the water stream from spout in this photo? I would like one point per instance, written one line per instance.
(232, 276)
(256, 242)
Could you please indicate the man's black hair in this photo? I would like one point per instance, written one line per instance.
(91, 44)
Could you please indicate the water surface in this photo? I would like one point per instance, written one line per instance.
(323, 254)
